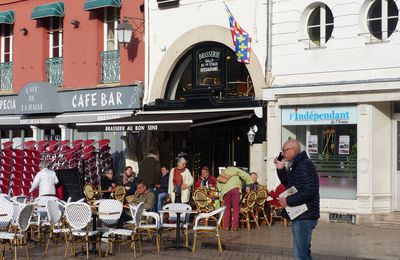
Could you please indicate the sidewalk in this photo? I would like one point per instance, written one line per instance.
(330, 241)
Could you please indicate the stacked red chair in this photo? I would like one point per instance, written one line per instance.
(105, 159)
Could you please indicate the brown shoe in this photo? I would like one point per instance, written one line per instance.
(226, 229)
(235, 229)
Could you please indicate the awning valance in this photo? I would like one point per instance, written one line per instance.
(54, 9)
(95, 4)
(176, 120)
(7, 17)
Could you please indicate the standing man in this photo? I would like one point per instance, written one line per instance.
(149, 170)
(46, 180)
(301, 173)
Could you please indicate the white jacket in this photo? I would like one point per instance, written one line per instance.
(187, 179)
(46, 180)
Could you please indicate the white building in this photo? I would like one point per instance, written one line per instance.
(335, 87)
(178, 33)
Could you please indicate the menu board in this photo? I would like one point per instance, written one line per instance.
(70, 180)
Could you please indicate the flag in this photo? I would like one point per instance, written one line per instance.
(241, 39)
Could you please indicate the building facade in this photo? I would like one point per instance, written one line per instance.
(61, 64)
(331, 88)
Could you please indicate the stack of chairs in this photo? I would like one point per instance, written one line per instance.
(18, 166)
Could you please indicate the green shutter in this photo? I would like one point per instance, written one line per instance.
(54, 9)
(7, 17)
(95, 4)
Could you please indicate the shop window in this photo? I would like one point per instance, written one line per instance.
(329, 136)
(210, 69)
(320, 25)
(382, 19)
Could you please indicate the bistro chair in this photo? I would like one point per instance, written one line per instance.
(136, 213)
(119, 193)
(57, 230)
(261, 200)
(17, 237)
(202, 201)
(205, 228)
(90, 193)
(277, 211)
(78, 216)
(184, 218)
(247, 207)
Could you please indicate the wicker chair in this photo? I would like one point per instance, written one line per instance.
(78, 216)
(119, 193)
(90, 193)
(247, 209)
(136, 212)
(261, 199)
(18, 236)
(57, 230)
(199, 228)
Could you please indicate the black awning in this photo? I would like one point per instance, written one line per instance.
(167, 120)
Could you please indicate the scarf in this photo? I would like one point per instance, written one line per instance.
(177, 177)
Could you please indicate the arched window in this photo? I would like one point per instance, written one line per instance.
(382, 18)
(209, 69)
(320, 25)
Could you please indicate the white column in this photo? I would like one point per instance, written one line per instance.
(10, 134)
(41, 134)
(64, 132)
(35, 131)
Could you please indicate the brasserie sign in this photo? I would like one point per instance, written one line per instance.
(209, 61)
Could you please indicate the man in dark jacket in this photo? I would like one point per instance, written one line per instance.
(149, 170)
(301, 174)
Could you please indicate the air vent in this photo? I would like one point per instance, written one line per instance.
(167, 3)
(342, 218)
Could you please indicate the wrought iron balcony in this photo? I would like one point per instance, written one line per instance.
(6, 76)
(54, 71)
(110, 66)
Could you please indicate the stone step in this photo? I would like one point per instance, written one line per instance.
(387, 220)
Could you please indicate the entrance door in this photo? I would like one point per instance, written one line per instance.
(396, 164)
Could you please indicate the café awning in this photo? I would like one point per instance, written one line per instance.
(48, 10)
(170, 120)
(7, 17)
(95, 4)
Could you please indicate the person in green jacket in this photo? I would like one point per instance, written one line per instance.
(229, 185)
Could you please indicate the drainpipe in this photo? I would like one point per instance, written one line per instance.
(147, 52)
(268, 61)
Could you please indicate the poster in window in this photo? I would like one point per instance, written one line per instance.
(344, 144)
(312, 144)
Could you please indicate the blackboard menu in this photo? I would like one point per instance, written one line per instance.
(71, 182)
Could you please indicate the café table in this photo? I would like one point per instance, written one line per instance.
(178, 213)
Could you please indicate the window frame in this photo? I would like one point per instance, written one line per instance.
(60, 31)
(322, 26)
(3, 43)
(115, 20)
(384, 18)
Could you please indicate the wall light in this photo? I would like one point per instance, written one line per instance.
(125, 29)
(75, 23)
(24, 31)
(251, 134)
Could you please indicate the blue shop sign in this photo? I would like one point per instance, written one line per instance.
(319, 115)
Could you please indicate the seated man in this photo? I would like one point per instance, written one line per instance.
(142, 194)
(254, 185)
(205, 180)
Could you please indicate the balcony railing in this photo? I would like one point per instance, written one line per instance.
(6, 76)
(54, 71)
(110, 66)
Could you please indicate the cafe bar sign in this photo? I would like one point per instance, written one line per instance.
(319, 115)
(43, 98)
